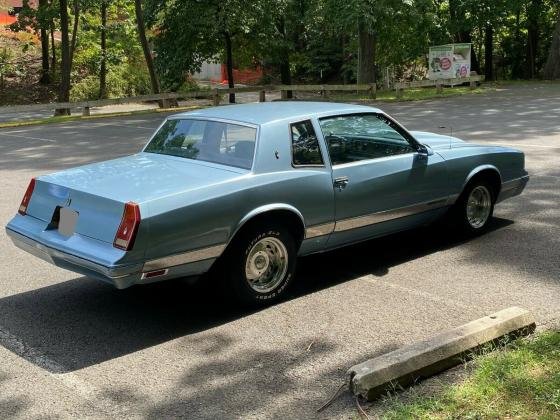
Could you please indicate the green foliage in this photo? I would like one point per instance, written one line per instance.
(296, 40)
(520, 381)
(192, 31)
(127, 74)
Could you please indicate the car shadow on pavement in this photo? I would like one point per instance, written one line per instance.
(82, 322)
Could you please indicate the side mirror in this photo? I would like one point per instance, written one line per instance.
(424, 150)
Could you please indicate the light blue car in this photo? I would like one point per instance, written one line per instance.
(245, 189)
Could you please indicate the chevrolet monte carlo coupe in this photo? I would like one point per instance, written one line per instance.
(247, 188)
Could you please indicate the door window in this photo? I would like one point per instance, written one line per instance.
(352, 138)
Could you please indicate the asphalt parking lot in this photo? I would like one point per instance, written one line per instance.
(71, 346)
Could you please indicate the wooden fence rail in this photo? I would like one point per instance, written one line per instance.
(216, 94)
(439, 84)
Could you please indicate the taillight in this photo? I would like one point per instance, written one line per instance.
(124, 239)
(26, 198)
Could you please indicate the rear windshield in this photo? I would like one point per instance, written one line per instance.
(210, 141)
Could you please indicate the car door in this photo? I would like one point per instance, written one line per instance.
(384, 180)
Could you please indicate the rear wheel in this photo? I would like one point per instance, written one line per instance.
(475, 206)
(261, 264)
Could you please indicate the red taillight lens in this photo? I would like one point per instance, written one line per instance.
(124, 239)
(26, 198)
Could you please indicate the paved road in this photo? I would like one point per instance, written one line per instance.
(71, 346)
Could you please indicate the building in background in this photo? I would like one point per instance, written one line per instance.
(9, 10)
(216, 72)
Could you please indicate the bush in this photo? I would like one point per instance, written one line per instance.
(122, 81)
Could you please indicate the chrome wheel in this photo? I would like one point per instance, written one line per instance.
(266, 264)
(479, 206)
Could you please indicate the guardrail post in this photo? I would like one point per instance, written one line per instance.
(262, 96)
(472, 84)
(439, 87)
(283, 94)
(399, 92)
(216, 97)
(85, 111)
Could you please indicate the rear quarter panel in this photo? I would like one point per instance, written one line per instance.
(211, 215)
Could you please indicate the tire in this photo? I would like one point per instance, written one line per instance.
(261, 264)
(475, 207)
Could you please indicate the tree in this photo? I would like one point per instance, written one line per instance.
(192, 31)
(103, 67)
(44, 36)
(552, 66)
(145, 46)
(66, 64)
(462, 25)
(37, 20)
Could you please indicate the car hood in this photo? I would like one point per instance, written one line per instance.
(437, 141)
(142, 177)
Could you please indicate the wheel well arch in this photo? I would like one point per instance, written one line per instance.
(285, 214)
(489, 173)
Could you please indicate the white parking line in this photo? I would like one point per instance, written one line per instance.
(420, 293)
(9, 134)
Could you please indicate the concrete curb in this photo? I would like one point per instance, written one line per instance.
(406, 365)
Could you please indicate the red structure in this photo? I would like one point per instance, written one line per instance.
(243, 76)
(9, 10)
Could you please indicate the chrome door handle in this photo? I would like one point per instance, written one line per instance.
(340, 182)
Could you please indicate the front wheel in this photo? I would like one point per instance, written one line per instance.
(475, 207)
(261, 264)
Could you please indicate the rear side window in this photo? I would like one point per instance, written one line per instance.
(210, 141)
(305, 146)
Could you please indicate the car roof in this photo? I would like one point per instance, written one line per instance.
(268, 112)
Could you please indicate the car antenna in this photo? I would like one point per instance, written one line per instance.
(450, 133)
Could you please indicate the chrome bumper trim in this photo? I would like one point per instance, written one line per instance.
(384, 216)
(319, 230)
(51, 255)
(185, 258)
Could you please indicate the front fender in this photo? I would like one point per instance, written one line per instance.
(479, 169)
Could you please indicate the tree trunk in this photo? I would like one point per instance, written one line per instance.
(285, 74)
(103, 69)
(65, 66)
(53, 52)
(229, 65)
(533, 34)
(489, 52)
(74, 30)
(366, 55)
(552, 66)
(145, 47)
(516, 70)
(44, 35)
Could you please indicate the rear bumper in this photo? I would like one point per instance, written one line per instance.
(120, 276)
(512, 188)
(101, 260)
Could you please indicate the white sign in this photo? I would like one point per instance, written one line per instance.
(449, 61)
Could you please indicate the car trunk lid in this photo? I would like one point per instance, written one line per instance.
(98, 192)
